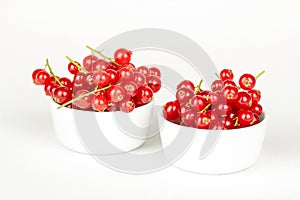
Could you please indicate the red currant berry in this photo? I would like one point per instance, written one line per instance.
(230, 94)
(228, 83)
(62, 95)
(49, 87)
(122, 56)
(144, 70)
(41, 77)
(216, 85)
(73, 68)
(127, 105)
(78, 81)
(197, 103)
(255, 96)
(112, 106)
(223, 109)
(139, 78)
(246, 118)
(100, 65)
(214, 98)
(171, 111)
(125, 75)
(257, 109)
(154, 71)
(144, 94)
(130, 66)
(99, 103)
(186, 84)
(130, 88)
(188, 118)
(104, 79)
(202, 121)
(116, 93)
(89, 61)
(243, 101)
(183, 95)
(113, 76)
(154, 83)
(34, 73)
(85, 102)
(226, 74)
(227, 123)
(247, 81)
(66, 82)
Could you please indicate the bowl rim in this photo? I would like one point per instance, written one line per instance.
(263, 121)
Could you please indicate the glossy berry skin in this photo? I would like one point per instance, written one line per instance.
(197, 103)
(144, 70)
(256, 119)
(247, 81)
(216, 85)
(34, 73)
(66, 82)
(89, 61)
(186, 84)
(184, 94)
(122, 56)
(188, 118)
(125, 75)
(130, 88)
(257, 109)
(83, 103)
(228, 83)
(227, 123)
(202, 121)
(246, 117)
(102, 79)
(255, 96)
(129, 66)
(113, 76)
(139, 78)
(154, 83)
(215, 98)
(171, 111)
(49, 88)
(154, 71)
(205, 94)
(230, 94)
(73, 68)
(127, 105)
(223, 109)
(226, 74)
(243, 101)
(184, 107)
(112, 106)
(89, 81)
(99, 103)
(100, 65)
(144, 94)
(62, 95)
(79, 80)
(116, 93)
(40, 77)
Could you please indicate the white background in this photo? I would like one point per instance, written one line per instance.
(248, 35)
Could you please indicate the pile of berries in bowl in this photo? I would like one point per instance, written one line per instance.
(100, 86)
(226, 106)
(227, 123)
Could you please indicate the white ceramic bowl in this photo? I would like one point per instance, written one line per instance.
(67, 131)
(227, 151)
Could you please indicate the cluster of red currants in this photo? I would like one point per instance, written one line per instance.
(101, 84)
(226, 106)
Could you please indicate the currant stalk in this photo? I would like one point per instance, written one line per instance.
(102, 55)
(52, 74)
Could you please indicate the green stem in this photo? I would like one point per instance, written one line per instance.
(258, 75)
(51, 72)
(217, 75)
(236, 121)
(83, 95)
(102, 55)
(76, 64)
(199, 86)
(204, 109)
